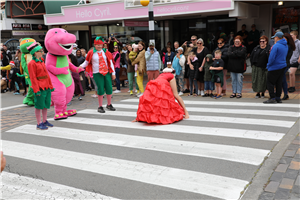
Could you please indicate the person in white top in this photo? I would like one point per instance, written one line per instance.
(99, 61)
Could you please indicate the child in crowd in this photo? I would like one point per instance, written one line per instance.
(13, 78)
(193, 63)
(217, 73)
(132, 56)
(208, 84)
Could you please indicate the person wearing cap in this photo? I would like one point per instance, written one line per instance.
(275, 66)
(153, 62)
(178, 65)
(41, 85)
(99, 62)
(272, 42)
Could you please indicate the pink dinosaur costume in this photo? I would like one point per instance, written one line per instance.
(59, 44)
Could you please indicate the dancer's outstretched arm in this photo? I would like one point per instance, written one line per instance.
(178, 98)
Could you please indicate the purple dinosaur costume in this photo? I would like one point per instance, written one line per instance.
(59, 44)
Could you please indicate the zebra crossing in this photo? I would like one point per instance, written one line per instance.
(212, 155)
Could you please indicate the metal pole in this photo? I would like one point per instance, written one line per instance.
(151, 22)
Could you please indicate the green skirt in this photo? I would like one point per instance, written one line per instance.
(259, 79)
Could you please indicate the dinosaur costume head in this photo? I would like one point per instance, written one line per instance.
(59, 42)
(24, 43)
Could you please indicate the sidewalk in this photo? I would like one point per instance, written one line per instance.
(285, 180)
(247, 91)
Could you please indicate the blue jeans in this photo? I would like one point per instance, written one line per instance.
(284, 83)
(117, 78)
(237, 82)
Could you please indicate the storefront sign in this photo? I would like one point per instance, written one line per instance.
(136, 23)
(16, 26)
(287, 19)
(39, 27)
(29, 32)
(116, 11)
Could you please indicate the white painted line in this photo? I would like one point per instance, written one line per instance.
(11, 107)
(224, 132)
(226, 110)
(223, 103)
(179, 179)
(217, 151)
(205, 118)
(14, 186)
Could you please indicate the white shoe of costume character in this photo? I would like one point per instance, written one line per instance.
(59, 44)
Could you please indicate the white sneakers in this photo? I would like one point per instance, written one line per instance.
(117, 91)
(139, 95)
(180, 93)
(202, 93)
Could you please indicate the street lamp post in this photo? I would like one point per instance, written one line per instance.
(149, 3)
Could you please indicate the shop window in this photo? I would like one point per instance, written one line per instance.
(99, 31)
(286, 19)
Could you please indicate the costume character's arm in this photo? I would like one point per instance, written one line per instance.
(56, 71)
(73, 68)
(8, 67)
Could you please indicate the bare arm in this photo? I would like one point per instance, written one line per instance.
(178, 98)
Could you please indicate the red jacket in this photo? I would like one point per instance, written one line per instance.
(89, 58)
(39, 76)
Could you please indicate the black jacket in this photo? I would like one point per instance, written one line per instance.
(224, 57)
(194, 73)
(236, 59)
(259, 57)
(6, 58)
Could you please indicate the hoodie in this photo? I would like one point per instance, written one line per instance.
(207, 65)
(153, 61)
(277, 58)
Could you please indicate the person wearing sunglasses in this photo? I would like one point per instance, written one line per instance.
(200, 51)
(259, 60)
(224, 49)
(237, 66)
(188, 47)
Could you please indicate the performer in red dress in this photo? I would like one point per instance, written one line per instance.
(158, 104)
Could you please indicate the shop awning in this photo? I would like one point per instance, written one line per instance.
(52, 7)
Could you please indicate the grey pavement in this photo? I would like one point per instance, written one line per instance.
(87, 137)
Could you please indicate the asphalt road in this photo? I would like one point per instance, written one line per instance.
(213, 155)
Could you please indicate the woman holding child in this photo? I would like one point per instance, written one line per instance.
(130, 56)
(141, 61)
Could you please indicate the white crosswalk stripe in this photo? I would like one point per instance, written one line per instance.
(196, 182)
(175, 140)
(17, 186)
(205, 118)
(224, 152)
(224, 132)
(226, 103)
(228, 110)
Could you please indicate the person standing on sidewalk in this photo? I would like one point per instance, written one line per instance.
(141, 61)
(291, 45)
(117, 58)
(259, 60)
(276, 65)
(153, 62)
(237, 66)
(295, 61)
(178, 65)
(187, 48)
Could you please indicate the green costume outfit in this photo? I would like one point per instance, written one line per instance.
(26, 57)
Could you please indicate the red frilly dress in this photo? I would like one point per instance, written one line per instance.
(158, 105)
